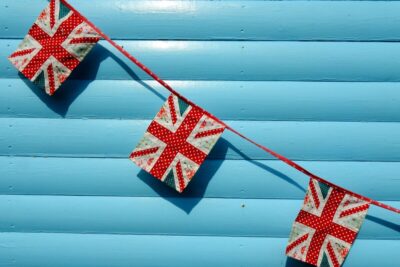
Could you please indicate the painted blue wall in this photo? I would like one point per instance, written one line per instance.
(315, 80)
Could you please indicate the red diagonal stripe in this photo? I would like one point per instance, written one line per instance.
(180, 176)
(84, 40)
(296, 243)
(144, 152)
(332, 255)
(209, 132)
(172, 109)
(314, 194)
(50, 78)
(52, 13)
(22, 52)
(354, 210)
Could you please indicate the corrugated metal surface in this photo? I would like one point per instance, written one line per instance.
(315, 80)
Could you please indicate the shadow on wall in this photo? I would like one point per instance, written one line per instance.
(197, 188)
(385, 223)
(267, 168)
(290, 262)
(73, 86)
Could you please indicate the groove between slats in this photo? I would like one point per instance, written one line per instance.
(176, 216)
(346, 141)
(237, 61)
(232, 60)
(62, 250)
(240, 100)
(226, 20)
(216, 178)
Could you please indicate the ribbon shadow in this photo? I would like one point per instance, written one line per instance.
(197, 187)
(267, 168)
(80, 79)
(385, 223)
(87, 70)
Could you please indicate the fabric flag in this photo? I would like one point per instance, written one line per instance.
(56, 43)
(176, 143)
(326, 226)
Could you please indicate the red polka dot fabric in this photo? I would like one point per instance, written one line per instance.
(326, 226)
(55, 45)
(176, 143)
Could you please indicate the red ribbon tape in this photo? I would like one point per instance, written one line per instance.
(273, 153)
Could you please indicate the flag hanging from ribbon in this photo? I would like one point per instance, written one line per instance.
(176, 143)
(326, 226)
(60, 39)
(55, 45)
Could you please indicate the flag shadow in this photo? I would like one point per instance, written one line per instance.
(290, 262)
(79, 80)
(196, 189)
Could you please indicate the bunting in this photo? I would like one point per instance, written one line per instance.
(176, 143)
(326, 226)
(182, 135)
(55, 45)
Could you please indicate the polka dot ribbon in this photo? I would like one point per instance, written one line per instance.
(271, 152)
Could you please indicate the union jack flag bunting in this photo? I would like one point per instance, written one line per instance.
(326, 226)
(56, 43)
(176, 143)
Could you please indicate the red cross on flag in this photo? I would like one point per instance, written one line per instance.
(326, 226)
(176, 143)
(55, 44)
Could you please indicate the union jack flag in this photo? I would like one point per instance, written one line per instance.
(176, 143)
(56, 43)
(326, 226)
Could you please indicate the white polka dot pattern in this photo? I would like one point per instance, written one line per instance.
(176, 143)
(327, 226)
(54, 46)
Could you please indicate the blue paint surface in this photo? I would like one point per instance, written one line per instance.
(315, 80)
